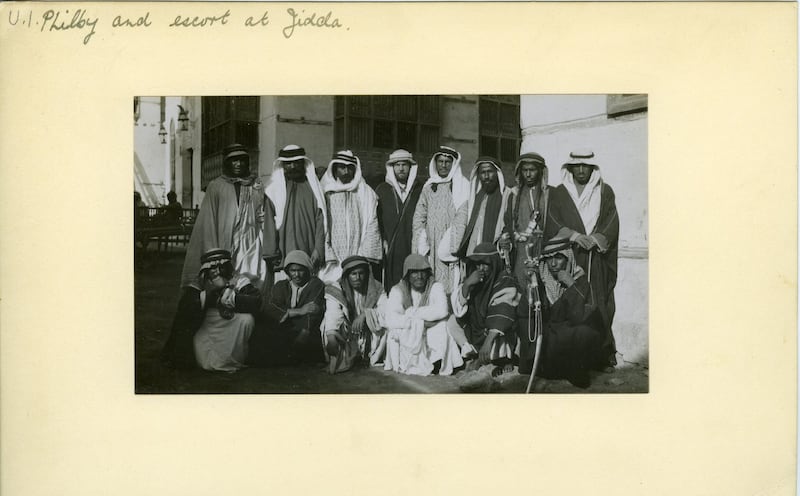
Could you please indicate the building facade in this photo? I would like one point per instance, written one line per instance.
(198, 129)
(156, 152)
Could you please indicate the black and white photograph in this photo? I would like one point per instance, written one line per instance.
(391, 244)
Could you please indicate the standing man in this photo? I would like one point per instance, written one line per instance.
(442, 195)
(397, 199)
(352, 216)
(583, 209)
(299, 210)
(526, 212)
(231, 218)
(480, 220)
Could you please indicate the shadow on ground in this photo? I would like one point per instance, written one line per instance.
(156, 278)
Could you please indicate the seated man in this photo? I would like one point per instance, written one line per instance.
(294, 314)
(173, 211)
(416, 320)
(485, 305)
(353, 327)
(228, 301)
(573, 330)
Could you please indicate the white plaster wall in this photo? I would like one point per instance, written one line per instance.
(548, 109)
(631, 320)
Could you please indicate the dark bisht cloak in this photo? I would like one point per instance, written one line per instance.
(395, 218)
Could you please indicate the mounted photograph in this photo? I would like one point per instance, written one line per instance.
(391, 244)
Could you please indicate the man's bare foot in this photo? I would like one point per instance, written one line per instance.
(502, 369)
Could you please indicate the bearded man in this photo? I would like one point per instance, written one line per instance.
(397, 199)
(480, 220)
(299, 210)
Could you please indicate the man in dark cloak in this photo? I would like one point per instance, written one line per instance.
(293, 314)
(397, 199)
(583, 209)
(484, 310)
(572, 329)
(481, 218)
(525, 214)
(299, 210)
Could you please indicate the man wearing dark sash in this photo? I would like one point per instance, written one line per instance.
(397, 199)
(525, 213)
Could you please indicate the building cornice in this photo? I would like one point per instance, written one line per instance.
(592, 121)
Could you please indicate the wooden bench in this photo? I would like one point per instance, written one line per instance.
(162, 225)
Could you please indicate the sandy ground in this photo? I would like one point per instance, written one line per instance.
(156, 279)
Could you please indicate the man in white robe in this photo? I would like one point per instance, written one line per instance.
(418, 342)
(227, 302)
(442, 195)
(352, 216)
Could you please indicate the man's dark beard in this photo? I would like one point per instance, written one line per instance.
(491, 186)
(296, 175)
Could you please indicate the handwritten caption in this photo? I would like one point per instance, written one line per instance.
(82, 21)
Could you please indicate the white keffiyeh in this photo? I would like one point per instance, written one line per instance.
(460, 184)
(402, 191)
(276, 191)
(588, 202)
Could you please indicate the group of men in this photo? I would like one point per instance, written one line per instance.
(420, 276)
